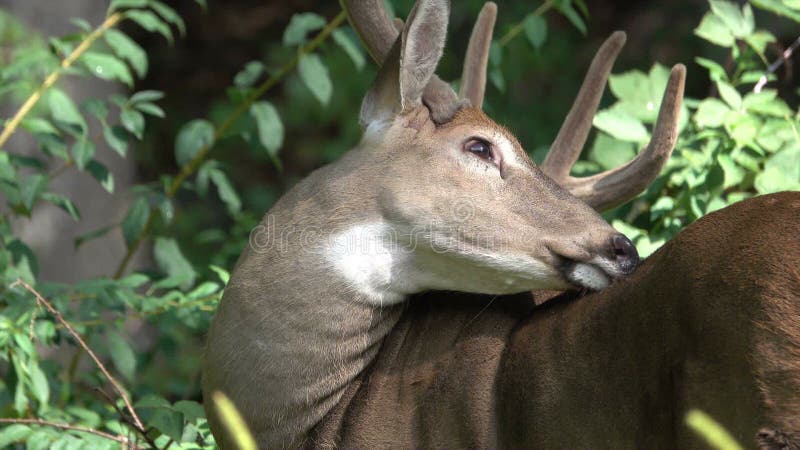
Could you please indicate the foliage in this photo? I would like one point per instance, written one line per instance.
(740, 141)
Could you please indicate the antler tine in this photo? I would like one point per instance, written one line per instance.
(616, 186)
(373, 25)
(473, 76)
(572, 136)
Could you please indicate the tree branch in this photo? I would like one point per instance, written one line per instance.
(202, 154)
(51, 79)
(65, 426)
(117, 387)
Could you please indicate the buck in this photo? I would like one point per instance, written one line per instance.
(436, 196)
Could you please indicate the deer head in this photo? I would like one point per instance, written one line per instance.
(482, 216)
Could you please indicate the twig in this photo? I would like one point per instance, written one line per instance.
(518, 28)
(775, 65)
(117, 387)
(202, 154)
(64, 426)
(26, 107)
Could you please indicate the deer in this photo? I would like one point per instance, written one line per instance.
(711, 321)
(435, 197)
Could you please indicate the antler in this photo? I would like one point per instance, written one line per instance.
(378, 32)
(473, 76)
(616, 186)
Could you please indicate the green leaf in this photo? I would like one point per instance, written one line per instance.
(191, 410)
(346, 43)
(299, 25)
(101, 174)
(758, 41)
(778, 7)
(226, 191)
(145, 96)
(193, 137)
(37, 125)
(169, 14)
(135, 220)
(122, 4)
(150, 22)
(766, 102)
(168, 422)
(171, 261)
(781, 172)
(122, 355)
(621, 125)
(31, 187)
(315, 76)
(535, 30)
(743, 128)
(7, 170)
(39, 385)
(64, 110)
(133, 121)
(13, 433)
(610, 153)
(732, 172)
(151, 109)
(107, 67)
(730, 95)
(93, 235)
(739, 22)
(249, 75)
(270, 127)
(715, 71)
(223, 274)
(64, 203)
(569, 12)
(152, 401)
(97, 108)
(117, 138)
(711, 113)
(127, 49)
(714, 30)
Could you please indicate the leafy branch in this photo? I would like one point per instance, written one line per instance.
(40, 300)
(202, 154)
(110, 22)
(65, 426)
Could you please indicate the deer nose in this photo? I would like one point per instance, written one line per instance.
(625, 253)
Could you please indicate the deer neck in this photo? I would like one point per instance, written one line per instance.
(305, 312)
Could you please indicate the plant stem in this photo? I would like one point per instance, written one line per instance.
(518, 28)
(26, 107)
(117, 387)
(219, 132)
(66, 426)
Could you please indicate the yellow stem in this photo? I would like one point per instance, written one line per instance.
(51, 79)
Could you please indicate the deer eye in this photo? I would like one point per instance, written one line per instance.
(479, 148)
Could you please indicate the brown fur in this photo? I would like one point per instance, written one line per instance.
(711, 321)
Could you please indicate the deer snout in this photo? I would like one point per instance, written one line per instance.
(624, 253)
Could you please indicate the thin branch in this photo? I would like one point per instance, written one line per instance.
(65, 426)
(117, 387)
(26, 107)
(785, 55)
(202, 154)
(518, 28)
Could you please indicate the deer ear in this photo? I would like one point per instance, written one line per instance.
(410, 64)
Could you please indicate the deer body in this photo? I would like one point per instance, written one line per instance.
(709, 322)
(436, 196)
